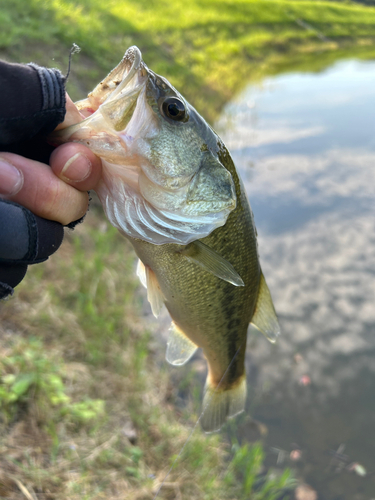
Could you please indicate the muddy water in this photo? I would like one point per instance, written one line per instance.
(305, 146)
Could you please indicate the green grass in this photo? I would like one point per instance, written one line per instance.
(208, 49)
(245, 473)
(88, 411)
(76, 371)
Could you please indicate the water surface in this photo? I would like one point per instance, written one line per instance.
(305, 146)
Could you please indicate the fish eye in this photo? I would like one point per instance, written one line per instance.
(173, 108)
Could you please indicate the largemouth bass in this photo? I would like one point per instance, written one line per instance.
(170, 186)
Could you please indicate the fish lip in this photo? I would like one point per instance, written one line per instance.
(133, 60)
(133, 55)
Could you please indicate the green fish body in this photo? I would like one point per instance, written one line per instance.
(170, 186)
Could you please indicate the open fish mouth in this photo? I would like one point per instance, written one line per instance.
(113, 99)
(116, 96)
(124, 79)
(130, 66)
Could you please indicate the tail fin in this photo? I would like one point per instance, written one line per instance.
(219, 404)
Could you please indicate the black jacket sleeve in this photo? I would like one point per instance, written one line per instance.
(25, 239)
(32, 101)
(32, 104)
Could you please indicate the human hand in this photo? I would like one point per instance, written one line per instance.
(57, 192)
(34, 195)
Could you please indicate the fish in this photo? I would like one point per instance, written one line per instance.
(170, 186)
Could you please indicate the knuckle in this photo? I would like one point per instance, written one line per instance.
(61, 202)
(51, 199)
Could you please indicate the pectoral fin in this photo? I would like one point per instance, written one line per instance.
(211, 261)
(179, 348)
(141, 273)
(154, 294)
(264, 318)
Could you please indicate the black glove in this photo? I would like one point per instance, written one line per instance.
(32, 104)
(25, 239)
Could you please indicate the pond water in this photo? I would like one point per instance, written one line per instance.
(305, 146)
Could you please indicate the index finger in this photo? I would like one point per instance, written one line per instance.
(72, 114)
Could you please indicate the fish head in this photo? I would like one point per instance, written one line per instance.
(162, 179)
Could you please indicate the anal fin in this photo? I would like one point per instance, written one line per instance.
(211, 261)
(179, 348)
(264, 317)
(218, 405)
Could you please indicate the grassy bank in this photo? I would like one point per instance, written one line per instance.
(87, 412)
(208, 49)
(87, 409)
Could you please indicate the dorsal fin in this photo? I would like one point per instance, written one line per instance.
(211, 261)
(179, 348)
(264, 317)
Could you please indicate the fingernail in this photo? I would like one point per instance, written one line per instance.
(77, 168)
(11, 179)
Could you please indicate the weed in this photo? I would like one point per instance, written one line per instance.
(246, 469)
(33, 380)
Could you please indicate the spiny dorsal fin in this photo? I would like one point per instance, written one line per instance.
(179, 348)
(264, 318)
(211, 261)
(154, 294)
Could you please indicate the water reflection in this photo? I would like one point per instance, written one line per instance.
(306, 149)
